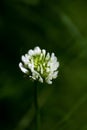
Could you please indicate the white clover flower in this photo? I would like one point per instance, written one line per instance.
(39, 65)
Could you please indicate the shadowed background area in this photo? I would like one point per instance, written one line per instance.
(58, 26)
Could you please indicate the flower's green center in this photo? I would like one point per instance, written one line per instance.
(40, 64)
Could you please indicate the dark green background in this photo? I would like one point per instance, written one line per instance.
(59, 26)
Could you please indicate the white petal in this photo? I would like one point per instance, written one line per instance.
(53, 65)
(56, 65)
(24, 70)
(54, 75)
(35, 74)
(27, 56)
(48, 56)
(47, 69)
(32, 77)
(24, 59)
(52, 55)
(31, 67)
(40, 79)
(30, 52)
(49, 81)
(44, 52)
(53, 58)
(37, 50)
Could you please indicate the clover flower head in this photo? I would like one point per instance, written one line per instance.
(39, 65)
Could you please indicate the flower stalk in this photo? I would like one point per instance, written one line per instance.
(37, 112)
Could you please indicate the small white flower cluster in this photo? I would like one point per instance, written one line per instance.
(39, 65)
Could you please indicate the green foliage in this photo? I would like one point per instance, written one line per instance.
(58, 26)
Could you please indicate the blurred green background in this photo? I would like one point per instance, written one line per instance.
(58, 26)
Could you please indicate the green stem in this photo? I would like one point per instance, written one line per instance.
(37, 113)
